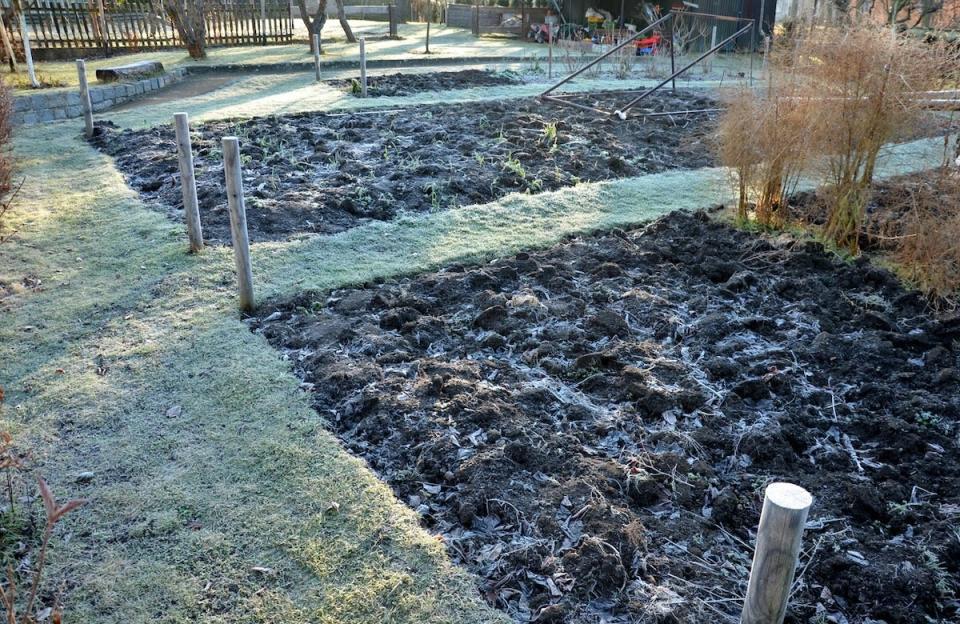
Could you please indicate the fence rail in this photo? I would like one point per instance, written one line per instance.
(132, 25)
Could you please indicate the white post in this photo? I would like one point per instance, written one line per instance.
(784, 515)
(188, 183)
(238, 221)
(363, 67)
(316, 56)
(27, 53)
(85, 97)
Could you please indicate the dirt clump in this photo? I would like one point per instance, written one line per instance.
(328, 172)
(590, 428)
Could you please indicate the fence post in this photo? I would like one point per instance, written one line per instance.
(363, 67)
(316, 56)
(104, 38)
(238, 221)
(188, 183)
(427, 50)
(27, 53)
(784, 515)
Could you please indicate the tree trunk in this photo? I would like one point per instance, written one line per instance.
(189, 18)
(316, 22)
(342, 16)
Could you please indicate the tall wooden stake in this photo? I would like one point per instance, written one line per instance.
(191, 208)
(27, 53)
(316, 56)
(427, 51)
(238, 222)
(363, 67)
(85, 98)
(785, 508)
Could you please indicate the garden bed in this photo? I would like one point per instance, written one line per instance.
(326, 173)
(400, 84)
(589, 428)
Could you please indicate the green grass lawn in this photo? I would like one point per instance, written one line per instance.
(239, 506)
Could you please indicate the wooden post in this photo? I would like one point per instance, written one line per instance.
(27, 53)
(429, 16)
(784, 515)
(191, 208)
(363, 67)
(238, 222)
(8, 47)
(85, 98)
(316, 56)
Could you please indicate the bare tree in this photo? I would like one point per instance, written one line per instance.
(906, 12)
(342, 16)
(315, 22)
(188, 16)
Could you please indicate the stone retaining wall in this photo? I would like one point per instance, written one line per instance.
(43, 107)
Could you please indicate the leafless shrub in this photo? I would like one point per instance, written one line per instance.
(765, 138)
(835, 96)
(926, 249)
(866, 81)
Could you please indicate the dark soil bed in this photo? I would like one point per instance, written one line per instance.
(590, 428)
(409, 84)
(326, 173)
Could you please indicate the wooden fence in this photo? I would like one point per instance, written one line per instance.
(494, 19)
(64, 28)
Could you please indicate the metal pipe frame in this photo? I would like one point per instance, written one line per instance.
(606, 54)
(622, 113)
(562, 97)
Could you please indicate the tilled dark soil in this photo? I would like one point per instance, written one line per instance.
(326, 173)
(589, 428)
(409, 84)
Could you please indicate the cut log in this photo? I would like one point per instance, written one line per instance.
(132, 71)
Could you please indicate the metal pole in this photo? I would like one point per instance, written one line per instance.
(550, 51)
(85, 97)
(363, 67)
(238, 222)
(622, 112)
(673, 66)
(606, 54)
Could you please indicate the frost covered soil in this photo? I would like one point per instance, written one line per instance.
(399, 84)
(589, 428)
(326, 173)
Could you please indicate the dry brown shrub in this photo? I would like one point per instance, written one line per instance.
(835, 95)
(927, 250)
(867, 82)
(765, 140)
